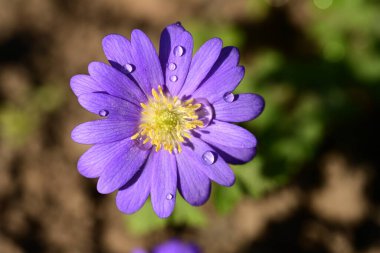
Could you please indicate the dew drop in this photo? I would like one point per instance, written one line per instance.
(229, 97)
(169, 196)
(173, 78)
(103, 113)
(172, 66)
(209, 157)
(206, 112)
(179, 51)
(129, 67)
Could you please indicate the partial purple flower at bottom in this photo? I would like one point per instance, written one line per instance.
(173, 246)
(167, 121)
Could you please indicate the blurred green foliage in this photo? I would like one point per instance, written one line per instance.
(19, 122)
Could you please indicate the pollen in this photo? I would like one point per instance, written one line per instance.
(167, 121)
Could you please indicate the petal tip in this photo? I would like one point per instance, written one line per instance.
(231, 182)
(103, 188)
(121, 205)
(163, 215)
(75, 136)
(163, 209)
(260, 103)
(176, 25)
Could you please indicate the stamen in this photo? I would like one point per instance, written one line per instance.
(134, 137)
(155, 95)
(166, 121)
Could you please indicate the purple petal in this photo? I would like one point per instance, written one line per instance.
(206, 160)
(118, 49)
(139, 250)
(133, 195)
(120, 54)
(220, 83)
(227, 134)
(244, 107)
(164, 183)
(148, 72)
(92, 163)
(234, 155)
(173, 65)
(176, 246)
(201, 64)
(110, 106)
(82, 84)
(228, 58)
(123, 166)
(194, 186)
(224, 76)
(103, 131)
(116, 83)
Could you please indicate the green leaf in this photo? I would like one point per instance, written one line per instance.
(185, 214)
(225, 198)
(144, 221)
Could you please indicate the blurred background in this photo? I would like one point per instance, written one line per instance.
(314, 185)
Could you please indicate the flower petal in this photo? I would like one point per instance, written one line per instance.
(244, 107)
(164, 183)
(216, 169)
(175, 67)
(122, 167)
(176, 246)
(194, 185)
(114, 107)
(201, 64)
(103, 131)
(148, 72)
(234, 155)
(224, 76)
(92, 163)
(227, 134)
(220, 83)
(133, 195)
(120, 54)
(82, 84)
(228, 58)
(116, 83)
(117, 49)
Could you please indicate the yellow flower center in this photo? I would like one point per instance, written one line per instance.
(166, 121)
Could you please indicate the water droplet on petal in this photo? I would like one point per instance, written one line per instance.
(172, 66)
(173, 78)
(206, 112)
(209, 157)
(169, 196)
(179, 51)
(103, 113)
(129, 67)
(229, 97)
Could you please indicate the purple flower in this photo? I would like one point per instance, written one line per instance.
(173, 246)
(165, 119)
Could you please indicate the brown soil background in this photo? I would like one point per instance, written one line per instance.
(46, 206)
